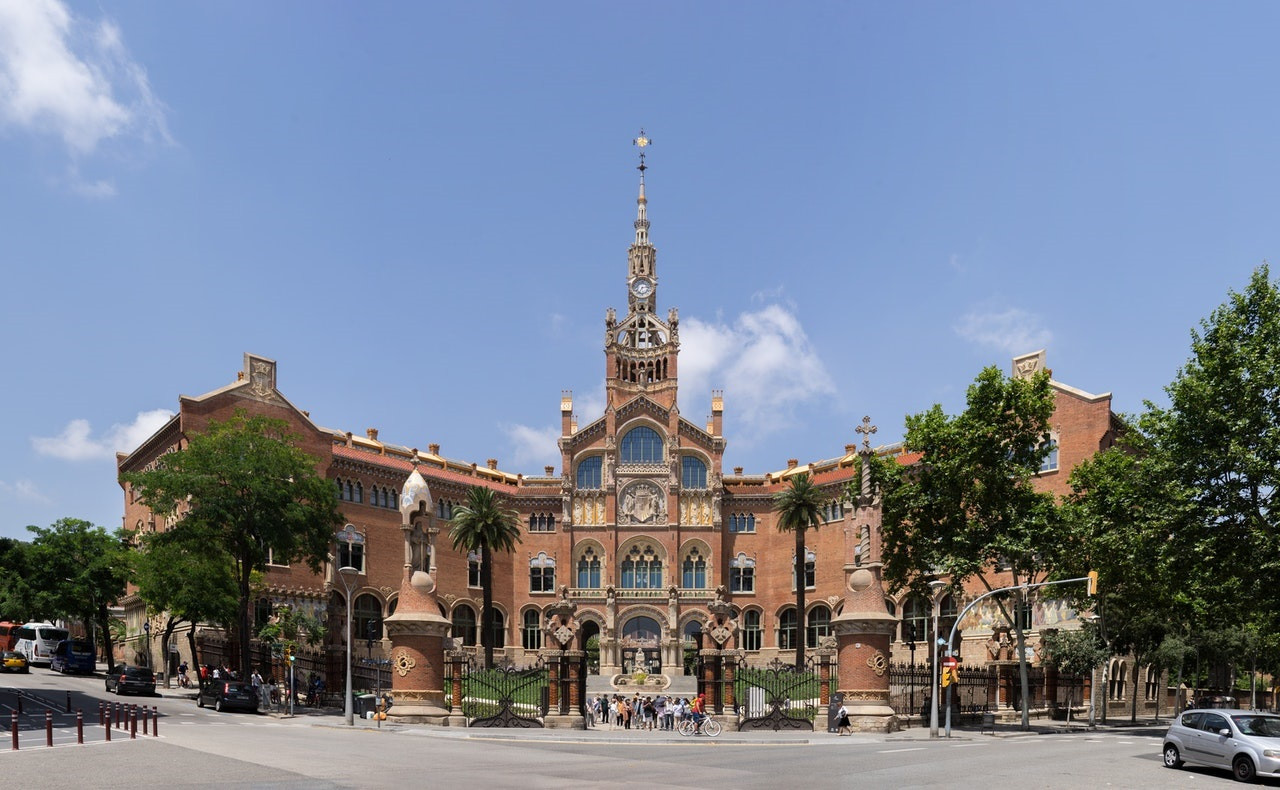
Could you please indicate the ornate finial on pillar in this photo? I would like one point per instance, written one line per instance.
(866, 429)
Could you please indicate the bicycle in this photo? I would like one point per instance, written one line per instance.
(710, 727)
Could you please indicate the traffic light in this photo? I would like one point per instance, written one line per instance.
(1093, 583)
(288, 654)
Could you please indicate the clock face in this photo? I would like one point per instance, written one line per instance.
(641, 287)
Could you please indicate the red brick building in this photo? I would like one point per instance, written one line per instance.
(641, 522)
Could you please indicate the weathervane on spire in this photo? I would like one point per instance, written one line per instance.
(642, 142)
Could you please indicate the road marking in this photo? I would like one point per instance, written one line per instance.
(896, 751)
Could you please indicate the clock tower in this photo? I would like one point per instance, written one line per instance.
(642, 274)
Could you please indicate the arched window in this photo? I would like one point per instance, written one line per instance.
(531, 631)
(366, 613)
(819, 625)
(742, 522)
(641, 569)
(693, 574)
(742, 574)
(589, 570)
(464, 625)
(589, 476)
(641, 445)
(1050, 449)
(351, 492)
(917, 620)
(787, 629)
(693, 472)
(473, 569)
(542, 522)
(889, 606)
(947, 611)
(359, 493)
(810, 570)
(1153, 683)
(542, 574)
(342, 494)
(751, 631)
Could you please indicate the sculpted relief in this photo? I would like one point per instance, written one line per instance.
(643, 503)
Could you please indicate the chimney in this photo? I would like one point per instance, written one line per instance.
(850, 449)
(348, 438)
(792, 463)
(372, 433)
(567, 426)
(434, 449)
(549, 470)
(492, 463)
(737, 470)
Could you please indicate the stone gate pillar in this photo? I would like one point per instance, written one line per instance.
(417, 633)
(563, 665)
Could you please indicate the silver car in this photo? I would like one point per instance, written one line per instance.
(1246, 742)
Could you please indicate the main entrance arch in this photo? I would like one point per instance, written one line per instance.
(642, 646)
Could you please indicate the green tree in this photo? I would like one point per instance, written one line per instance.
(969, 506)
(290, 628)
(799, 508)
(187, 576)
(1221, 437)
(247, 485)
(1076, 652)
(17, 598)
(483, 525)
(82, 570)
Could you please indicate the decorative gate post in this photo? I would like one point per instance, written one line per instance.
(717, 662)
(864, 629)
(562, 665)
(417, 633)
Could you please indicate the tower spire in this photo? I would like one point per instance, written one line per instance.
(642, 219)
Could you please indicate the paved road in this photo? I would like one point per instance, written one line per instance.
(200, 748)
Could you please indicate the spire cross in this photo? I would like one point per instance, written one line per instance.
(642, 142)
(866, 429)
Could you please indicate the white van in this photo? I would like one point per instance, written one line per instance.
(38, 641)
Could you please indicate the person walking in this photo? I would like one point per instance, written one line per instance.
(842, 722)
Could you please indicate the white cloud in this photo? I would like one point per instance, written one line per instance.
(25, 490)
(764, 359)
(1013, 331)
(74, 79)
(533, 447)
(76, 442)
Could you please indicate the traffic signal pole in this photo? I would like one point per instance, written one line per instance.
(1091, 580)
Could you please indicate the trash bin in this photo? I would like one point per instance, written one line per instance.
(363, 705)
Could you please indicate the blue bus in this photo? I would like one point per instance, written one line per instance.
(74, 655)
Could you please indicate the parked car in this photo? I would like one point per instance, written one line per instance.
(74, 655)
(13, 661)
(225, 694)
(132, 680)
(1247, 743)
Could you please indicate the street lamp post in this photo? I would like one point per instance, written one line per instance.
(348, 574)
(935, 586)
(911, 645)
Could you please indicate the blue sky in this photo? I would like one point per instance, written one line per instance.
(422, 211)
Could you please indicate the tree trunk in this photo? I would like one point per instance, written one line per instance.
(195, 658)
(486, 610)
(164, 649)
(1133, 705)
(104, 622)
(801, 633)
(242, 627)
(1021, 642)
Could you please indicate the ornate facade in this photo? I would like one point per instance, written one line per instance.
(640, 527)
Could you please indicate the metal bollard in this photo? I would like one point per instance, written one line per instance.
(13, 728)
(146, 714)
(101, 714)
(133, 723)
(20, 703)
(68, 701)
(155, 721)
(79, 726)
(48, 728)
(108, 725)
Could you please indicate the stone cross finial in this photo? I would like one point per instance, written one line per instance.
(866, 429)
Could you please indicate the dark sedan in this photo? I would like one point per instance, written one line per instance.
(132, 680)
(227, 695)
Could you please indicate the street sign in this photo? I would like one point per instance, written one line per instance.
(950, 662)
(146, 627)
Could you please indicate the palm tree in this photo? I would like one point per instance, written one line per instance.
(799, 507)
(482, 525)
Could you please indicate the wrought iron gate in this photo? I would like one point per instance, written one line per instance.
(505, 696)
(778, 697)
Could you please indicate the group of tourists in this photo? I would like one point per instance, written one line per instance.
(659, 713)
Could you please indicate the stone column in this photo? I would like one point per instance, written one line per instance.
(863, 634)
(417, 633)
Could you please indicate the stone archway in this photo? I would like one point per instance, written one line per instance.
(641, 643)
(589, 629)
